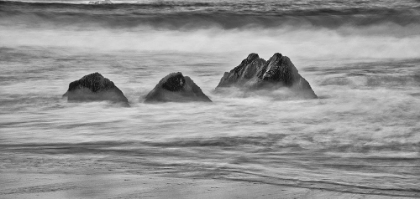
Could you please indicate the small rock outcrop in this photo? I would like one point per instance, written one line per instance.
(176, 88)
(94, 87)
(278, 72)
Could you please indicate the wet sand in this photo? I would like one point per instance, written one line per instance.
(37, 185)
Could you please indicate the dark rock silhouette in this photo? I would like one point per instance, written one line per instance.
(94, 87)
(278, 72)
(176, 88)
(244, 74)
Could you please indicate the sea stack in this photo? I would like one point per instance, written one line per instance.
(254, 73)
(176, 88)
(245, 74)
(94, 87)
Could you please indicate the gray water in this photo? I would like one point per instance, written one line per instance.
(360, 136)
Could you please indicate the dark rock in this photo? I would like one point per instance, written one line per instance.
(277, 72)
(176, 88)
(174, 82)
(94, 87)
(245, 73)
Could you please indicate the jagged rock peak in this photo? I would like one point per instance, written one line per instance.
(251, 57)
(279, 69)
(279, 55)
(244, 72)
(255, 73)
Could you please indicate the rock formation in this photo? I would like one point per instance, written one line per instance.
(94, 87)
(176, 88)
(278, 72)
(245, 74)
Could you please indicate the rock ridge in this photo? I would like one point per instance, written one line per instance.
(254, 73)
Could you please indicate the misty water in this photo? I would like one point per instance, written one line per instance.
(361, 59)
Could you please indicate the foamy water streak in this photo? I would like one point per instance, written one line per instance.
(360, 136)
(299, 43)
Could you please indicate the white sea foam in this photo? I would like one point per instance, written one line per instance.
(317, 43)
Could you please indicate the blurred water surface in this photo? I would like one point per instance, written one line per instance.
(361, 135)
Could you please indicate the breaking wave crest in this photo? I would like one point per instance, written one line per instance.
(365, 31)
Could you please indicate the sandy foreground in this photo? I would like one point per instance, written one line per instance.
(30, 185)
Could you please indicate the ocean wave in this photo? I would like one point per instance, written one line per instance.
(356, 31)
(202, 15)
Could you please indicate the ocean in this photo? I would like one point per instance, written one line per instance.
(362, 59)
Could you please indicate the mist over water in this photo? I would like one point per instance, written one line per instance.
(301, 29)
(361, 59)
